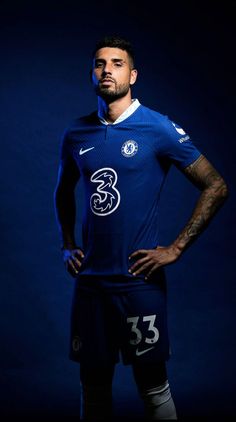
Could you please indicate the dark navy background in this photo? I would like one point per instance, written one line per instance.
(185, 63)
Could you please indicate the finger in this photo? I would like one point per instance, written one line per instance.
(79, 253)
(142, 268)
(73, 272)
(77, 263)
(72, 267)
(138, 263)
(152, 270)
(136, 253)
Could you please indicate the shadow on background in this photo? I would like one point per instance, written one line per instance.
(184, 58)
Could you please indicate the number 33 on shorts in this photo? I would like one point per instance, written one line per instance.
(137, 336)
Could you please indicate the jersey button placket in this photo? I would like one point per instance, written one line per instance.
(107, 131)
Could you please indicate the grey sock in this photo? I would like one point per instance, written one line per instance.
(158, 403)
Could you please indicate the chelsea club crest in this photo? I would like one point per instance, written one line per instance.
(129, 148)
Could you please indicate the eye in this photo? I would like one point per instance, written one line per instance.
(98, 65)
(118, 64)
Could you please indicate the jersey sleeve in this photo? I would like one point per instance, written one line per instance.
(67, 160)
(175, 145)
(65, 150)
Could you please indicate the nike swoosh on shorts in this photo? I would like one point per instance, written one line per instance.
(141, 352)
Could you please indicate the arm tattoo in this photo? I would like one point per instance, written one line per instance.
(201, 173)
(214, 192)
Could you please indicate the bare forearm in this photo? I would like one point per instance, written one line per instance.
(210, 201)
(65, 208)
(213, 194)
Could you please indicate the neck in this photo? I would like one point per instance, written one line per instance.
(113, 110)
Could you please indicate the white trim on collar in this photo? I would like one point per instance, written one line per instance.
(130, 110)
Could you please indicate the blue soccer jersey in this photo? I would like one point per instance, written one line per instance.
(123, 168)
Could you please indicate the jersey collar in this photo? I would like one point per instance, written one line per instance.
(130, 110)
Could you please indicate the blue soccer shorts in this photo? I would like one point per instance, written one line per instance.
(105, 324)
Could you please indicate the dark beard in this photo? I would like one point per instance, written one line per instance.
(111, 95)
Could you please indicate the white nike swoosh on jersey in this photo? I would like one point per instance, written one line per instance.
(141, 352)
(83, 151)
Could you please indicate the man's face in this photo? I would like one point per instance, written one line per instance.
(112, 74)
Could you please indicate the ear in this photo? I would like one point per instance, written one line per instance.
(133, 76)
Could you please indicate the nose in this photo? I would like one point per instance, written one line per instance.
(106, 70)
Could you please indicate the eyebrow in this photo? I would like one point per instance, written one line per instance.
(114, 60)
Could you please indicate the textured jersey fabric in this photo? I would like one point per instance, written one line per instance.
(123, 168)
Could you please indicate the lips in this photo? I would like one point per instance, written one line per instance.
(106, 80)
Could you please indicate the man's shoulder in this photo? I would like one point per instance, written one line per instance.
(153, 116)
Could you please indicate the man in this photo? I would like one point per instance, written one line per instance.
(122, 153)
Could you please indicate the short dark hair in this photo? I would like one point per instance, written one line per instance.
(115, 41)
